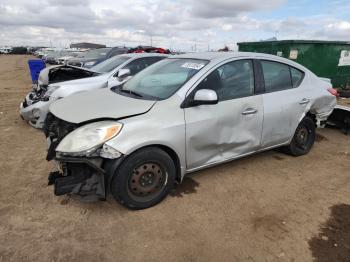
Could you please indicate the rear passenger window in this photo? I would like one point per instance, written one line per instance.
(276, 75)
(297, 76)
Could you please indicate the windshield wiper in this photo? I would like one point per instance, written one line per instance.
(130, 92)
(120, 89)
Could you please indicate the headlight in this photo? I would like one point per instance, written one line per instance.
(91, 63)
(88, 138)
(49, 92)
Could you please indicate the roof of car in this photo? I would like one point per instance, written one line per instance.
(221, 55)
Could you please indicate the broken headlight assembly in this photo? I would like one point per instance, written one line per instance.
(85, 140)
(49, 92)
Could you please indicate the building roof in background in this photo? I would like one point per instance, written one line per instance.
(86, 45)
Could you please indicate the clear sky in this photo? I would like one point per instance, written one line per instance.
(176, 24)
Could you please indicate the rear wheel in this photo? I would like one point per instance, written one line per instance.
(303, 139)
(143, 179)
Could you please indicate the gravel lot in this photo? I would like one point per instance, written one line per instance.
(267, 207)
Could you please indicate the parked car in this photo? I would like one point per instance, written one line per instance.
(149, 49)
(50, 57)
(93, 57)
(53, 56)
(5, 50)
(61, 81)
(62, 60)
(180, 115)
(42, 52)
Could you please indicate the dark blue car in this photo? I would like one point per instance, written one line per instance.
(95, 56)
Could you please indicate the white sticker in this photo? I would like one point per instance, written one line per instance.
(293, 54)
(344, 58)
(194, 66)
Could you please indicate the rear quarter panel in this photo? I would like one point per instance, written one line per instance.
(323, 102)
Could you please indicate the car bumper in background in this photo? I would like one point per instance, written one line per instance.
(35, 113)
(340, 118)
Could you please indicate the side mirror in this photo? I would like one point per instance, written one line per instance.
(122, 73)
(205, 97)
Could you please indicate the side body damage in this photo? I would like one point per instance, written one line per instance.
(195, 134)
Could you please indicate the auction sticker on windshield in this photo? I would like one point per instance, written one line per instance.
(195, 66)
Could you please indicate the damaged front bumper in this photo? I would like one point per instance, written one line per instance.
(79, 176)
(84, 178)
(35, 113)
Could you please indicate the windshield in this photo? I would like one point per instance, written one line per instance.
(96, 53)
(110, 64)
(164, 78)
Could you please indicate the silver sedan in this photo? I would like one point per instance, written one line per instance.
(182, 114)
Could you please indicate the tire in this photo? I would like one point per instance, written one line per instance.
(303, 139)
(143, 179)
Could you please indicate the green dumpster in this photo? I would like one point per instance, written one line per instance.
(330, 59)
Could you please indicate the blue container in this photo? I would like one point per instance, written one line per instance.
(35, 66)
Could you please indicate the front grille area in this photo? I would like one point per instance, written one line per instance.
(25, 103)
(56, 129)
(34, 97)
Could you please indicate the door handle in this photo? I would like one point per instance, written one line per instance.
(304, 101)
(249, 111)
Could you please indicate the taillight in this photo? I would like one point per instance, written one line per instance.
(333, 91)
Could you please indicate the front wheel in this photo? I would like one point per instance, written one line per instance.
(143, 179)
(303, 139)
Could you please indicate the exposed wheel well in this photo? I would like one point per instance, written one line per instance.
(312, 116)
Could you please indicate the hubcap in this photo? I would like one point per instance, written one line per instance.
(302, 136)
(147, 179)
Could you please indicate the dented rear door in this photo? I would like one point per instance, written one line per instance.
(286, 97)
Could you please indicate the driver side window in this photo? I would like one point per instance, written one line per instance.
(231, 80)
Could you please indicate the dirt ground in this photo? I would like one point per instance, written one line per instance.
(267, 207)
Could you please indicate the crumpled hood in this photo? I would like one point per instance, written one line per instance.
(98, 104)
(44, 80)
(87, 80)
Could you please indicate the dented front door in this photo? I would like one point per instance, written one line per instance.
(232, 127)
(226, 130)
